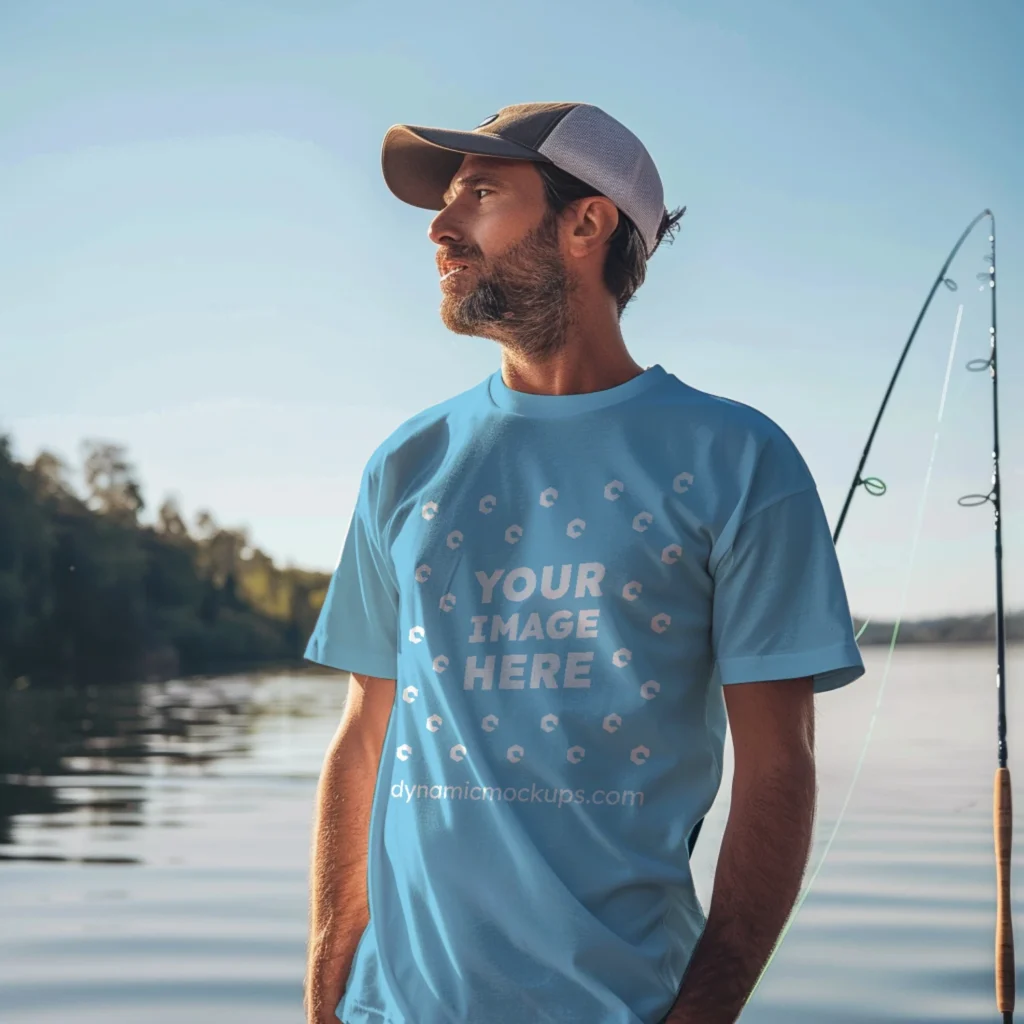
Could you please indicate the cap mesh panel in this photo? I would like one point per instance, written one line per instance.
(605, 154)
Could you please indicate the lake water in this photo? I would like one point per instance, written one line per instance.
(154, 843)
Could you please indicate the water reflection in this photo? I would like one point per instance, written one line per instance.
(162, 832)
(92, 760)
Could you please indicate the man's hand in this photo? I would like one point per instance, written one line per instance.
(764, 850)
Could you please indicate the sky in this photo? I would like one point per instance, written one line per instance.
(199, 258)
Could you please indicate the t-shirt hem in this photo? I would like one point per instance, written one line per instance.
(360, 1013)
(363, 663)
(830, 667)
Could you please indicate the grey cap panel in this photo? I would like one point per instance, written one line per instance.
(604, 153)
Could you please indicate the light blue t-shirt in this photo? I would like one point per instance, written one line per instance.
(562, 586)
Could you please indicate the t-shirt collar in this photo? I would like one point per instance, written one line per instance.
(555, 406)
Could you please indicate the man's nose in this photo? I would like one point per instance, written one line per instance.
(444, 230)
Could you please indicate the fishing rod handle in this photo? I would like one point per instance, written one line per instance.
(1003, 825)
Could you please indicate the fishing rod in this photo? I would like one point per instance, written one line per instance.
(872, 484)
(1002, 803)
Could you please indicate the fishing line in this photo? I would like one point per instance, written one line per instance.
(918, 529)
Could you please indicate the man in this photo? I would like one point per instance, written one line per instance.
(555, 590)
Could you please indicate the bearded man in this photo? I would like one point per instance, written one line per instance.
(557, 591)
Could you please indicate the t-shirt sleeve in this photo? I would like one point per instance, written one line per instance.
(780, 607)
(357, 630)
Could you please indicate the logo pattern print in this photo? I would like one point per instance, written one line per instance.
(632, 591)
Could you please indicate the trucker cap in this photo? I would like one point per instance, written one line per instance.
(419, 163)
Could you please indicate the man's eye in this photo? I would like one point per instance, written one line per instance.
(485, 191)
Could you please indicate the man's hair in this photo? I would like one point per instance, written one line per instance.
(625, 266)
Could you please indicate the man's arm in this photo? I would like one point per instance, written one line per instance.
(338, 900)
(764, 850)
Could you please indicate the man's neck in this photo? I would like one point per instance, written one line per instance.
(594, 358)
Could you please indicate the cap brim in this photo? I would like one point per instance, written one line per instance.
(419, 163)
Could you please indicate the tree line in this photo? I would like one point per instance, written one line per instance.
(89, 594)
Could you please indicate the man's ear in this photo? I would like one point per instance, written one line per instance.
(591, 223)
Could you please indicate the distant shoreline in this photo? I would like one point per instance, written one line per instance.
(950, 629)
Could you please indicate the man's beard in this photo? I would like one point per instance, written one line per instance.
(520, 299)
